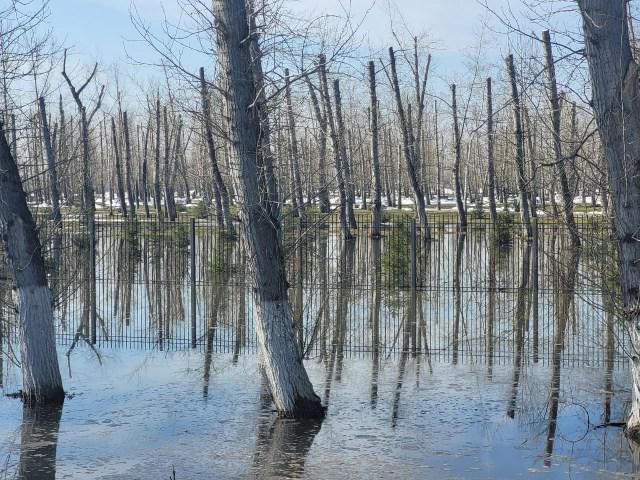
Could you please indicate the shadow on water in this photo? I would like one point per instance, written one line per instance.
(39, 442)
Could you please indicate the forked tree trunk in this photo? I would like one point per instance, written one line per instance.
(567, 196)
(615, 77)
(375, 155)
(41, 381)
(410, 161)
(290, 387)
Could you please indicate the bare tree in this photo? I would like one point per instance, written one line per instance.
(289, 384)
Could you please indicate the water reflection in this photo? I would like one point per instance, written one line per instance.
(39, 442)
(568, 268)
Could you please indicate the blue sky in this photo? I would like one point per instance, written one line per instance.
(96, 30)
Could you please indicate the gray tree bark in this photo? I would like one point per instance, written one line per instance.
(290, 387)
(51, 163)
(567, 197)
(375, 154)
(41, 380)
(410, 163)
(127, 165)
(118, 168)
(519, 137)
(491, 169)
(462, 212)
(321, 117)
(615, 78)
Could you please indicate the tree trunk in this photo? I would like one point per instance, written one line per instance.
(41, 381)
(519, 137)
(567, 197)
(119, 181)
(51, 164)
(294, 157)
(324, 89)
(321, 117)
(410, 161)
(290, 387)
(462, 212)
(615, 78)
(375, 155)
(157, 195)
(342, 145)
(220, 189)
(127, 164)
(491, 169)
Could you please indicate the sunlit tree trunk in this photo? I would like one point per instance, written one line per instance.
(290, 387)
(615, 78)
(41, 381)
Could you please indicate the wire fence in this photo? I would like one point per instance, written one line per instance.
(478, 297)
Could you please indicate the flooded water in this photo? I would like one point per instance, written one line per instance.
(454, 359)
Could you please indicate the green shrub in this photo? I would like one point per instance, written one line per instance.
(504, 228)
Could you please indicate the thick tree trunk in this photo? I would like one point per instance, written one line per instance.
(567, 196)
(290, 387)
(519, 137)
(41, 381)
(615, 77)
(375, 155)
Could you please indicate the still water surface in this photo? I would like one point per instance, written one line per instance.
(488, 376)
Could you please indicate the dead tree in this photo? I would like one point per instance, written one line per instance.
(127, 164)
(51, 163)
(375, 155)
(462, 212)
(321, 117)
(410, 163)
(324, 89)
(220, 191)
(289, 384)
(567, 197)
(519, 137)
(491, 169)
(342, 145)
(118, 168)
(293, 144)
(157, 195)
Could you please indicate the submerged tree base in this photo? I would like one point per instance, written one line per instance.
(305, 409)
